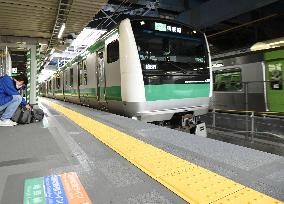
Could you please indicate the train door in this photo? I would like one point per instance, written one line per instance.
(78, 81)
(275, 80)
(101, 77)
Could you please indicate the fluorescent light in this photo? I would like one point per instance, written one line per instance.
(278, 42)
(52, 51)
(61, 31)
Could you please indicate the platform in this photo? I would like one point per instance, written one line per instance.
(58, 145)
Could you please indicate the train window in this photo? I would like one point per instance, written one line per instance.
(83, 72)
(113, 51)
(80, 72)
(49, 86)
(71, 77)
(57, 82)
(228, 80)
(65, 77)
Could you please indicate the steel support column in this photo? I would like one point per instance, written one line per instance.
(32, 72)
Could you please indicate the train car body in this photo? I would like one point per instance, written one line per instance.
(149, 69)
(248, 82)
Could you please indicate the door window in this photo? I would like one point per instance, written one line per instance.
(113, 51)
(228, 80)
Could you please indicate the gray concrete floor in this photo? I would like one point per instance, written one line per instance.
(58, 145)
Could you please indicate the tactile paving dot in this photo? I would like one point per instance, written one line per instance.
(247, 196)
(204, 186)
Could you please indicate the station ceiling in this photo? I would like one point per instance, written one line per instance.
(40, 19)
(229, 25)
(24, 22)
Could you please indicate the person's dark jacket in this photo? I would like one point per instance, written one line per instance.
(7, 90)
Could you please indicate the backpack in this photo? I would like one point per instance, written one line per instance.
(22, 116)
(37, 115)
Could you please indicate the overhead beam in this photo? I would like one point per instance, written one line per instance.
(12, 40)
(19, 32)
(215, 11)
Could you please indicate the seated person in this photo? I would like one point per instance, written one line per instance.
(10, 98)
(190, 123)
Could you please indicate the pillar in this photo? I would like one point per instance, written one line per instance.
(33, 65)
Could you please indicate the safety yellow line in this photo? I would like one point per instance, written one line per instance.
(193, 183)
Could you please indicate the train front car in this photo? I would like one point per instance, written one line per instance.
(165, 69)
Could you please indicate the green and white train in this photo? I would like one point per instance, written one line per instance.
(149, 69)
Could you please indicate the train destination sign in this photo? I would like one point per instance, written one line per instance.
(167, 28)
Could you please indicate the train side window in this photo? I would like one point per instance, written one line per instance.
(66, 80)
(228, 80)
(71, 77)
(80, 72)
(49, 86)
(83, 72)
(57, 82)
(113, 51)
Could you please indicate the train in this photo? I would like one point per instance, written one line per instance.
(251, 81)
(148, 69)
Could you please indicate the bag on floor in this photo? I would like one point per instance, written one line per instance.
(37, 115)
(17, 115)
(22, 116)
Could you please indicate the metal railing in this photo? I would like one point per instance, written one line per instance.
(249, 123)
(255, 109)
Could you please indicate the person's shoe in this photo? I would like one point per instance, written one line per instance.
(7, 123)
(14, 123)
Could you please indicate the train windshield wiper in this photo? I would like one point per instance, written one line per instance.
(176, 66)
(191, 66)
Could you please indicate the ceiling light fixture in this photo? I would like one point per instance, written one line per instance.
(61, 31)
(269, 44)
(52, 51)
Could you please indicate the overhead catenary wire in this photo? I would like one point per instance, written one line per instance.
(103, 22)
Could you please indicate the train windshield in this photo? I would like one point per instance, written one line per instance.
(171, 52)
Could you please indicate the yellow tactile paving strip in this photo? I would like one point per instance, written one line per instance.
(193, 183)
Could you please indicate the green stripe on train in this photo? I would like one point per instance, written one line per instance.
(176, 91)
(152, 92)
(112, 93)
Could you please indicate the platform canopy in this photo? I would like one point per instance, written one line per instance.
(43, 19)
